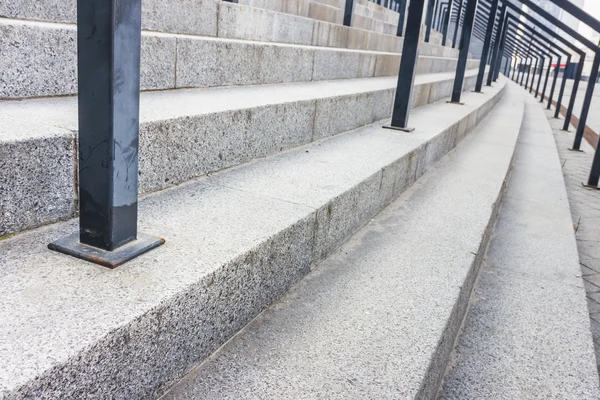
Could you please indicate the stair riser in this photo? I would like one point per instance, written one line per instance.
(142, 359)
(195, 17)
(323, 12)
(374, 25)
(271, 21)
(177, 150)
(384, 15)
(33, 68)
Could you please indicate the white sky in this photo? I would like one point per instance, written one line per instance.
(592, 7)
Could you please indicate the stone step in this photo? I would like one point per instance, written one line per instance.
(377, 319)
(373, 10)
(270, 21)
(235, 241)
(374, 25)
(184, 134)
(324, 12)
(31, 68)
(527, 335)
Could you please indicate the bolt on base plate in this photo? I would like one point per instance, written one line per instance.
(395, 128)
(72, 246)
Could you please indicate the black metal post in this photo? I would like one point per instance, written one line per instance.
(486, 45)
(528, 73)
(436, 12)
(516, 67)
(573, 95)
(540, 72)
(595, 171)
(533, 75)
(522, 71)
(408, 64)
(496, 54)
(521, 74)
(348, 12)
(561, 91)
(586, 103)
(447, 22)
(440, 23)
(543, 95)
(458, 16)
(428, 18)
(527, 70)
(465, 41)
(108, 42)
(401, 18)
(554, 79)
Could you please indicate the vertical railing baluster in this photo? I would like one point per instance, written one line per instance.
(561, 91)
(108, 45)
(428, 18)
(554, 79)
(408, 66)
(496, 59)
(401, 17)
(573, 94)
(541, 71)
(587, 102)
(486, 45)
(458, 18)
(465, 41)
(446, 22)
(348, 10)
(594, 177)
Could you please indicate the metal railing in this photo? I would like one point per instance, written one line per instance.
(532, 42)
(109, 42)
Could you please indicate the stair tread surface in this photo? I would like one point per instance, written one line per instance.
(41, 117)
(368, 320)
(527, 335)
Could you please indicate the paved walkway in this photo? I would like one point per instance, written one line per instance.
(585, 211)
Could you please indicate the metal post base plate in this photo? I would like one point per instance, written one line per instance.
(580, 151)
(474, 91)
(396, 128)
(456, 102)
(590, 186)
(70, 245)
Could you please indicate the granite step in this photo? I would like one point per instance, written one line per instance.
(184, 134)
(527, 334)
(235, 242)
(378, 317)
(30, 67)
(278, 21)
